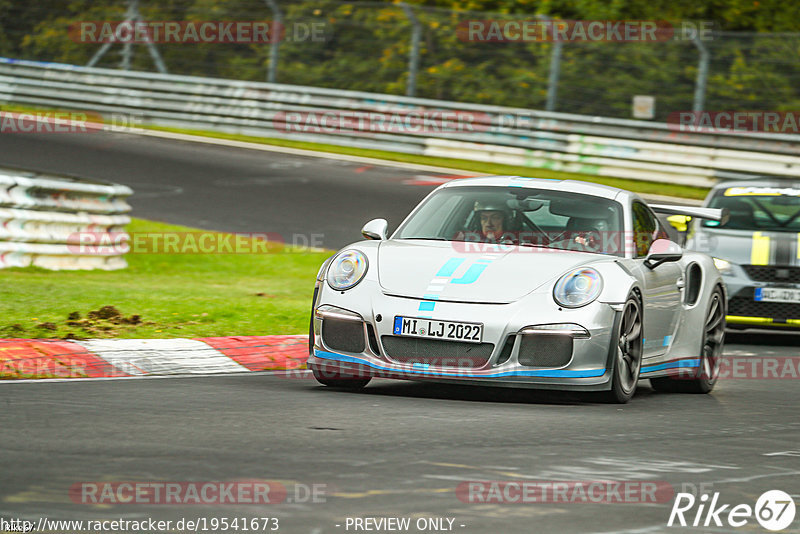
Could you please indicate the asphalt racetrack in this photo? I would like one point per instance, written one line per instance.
(395, 449)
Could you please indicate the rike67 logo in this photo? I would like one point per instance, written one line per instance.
(774, 510)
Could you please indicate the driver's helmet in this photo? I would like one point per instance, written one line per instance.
(493, 205)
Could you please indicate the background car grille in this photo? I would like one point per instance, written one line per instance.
(769, 273)
(437, 352)
(545, 350)
(746, 307)
(347, 336)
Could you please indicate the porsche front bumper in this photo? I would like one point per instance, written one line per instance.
(353, 337)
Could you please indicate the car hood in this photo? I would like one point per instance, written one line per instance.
(748, 248)
(496, 274)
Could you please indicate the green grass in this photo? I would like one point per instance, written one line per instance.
(174, 295)
(638, 186)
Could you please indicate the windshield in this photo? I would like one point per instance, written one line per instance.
(519, 216)
(776, 209)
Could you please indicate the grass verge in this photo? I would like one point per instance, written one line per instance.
(164, 295)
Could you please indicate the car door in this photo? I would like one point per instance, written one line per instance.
(662, 291)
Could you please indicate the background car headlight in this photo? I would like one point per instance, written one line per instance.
(347, 269)
(578, 288)
(723, 266)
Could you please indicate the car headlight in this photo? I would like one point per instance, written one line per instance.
(578, 288)
(723, 266)
(347, 269)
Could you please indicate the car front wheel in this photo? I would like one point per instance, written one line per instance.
(628, 346)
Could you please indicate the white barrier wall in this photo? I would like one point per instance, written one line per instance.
(529, 138)
(47, 221)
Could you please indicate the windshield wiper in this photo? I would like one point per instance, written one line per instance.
(427, 238)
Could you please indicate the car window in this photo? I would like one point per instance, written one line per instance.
(646, 229)
(775, 209)
(519, 216)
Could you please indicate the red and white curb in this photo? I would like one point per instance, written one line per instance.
(113, 358)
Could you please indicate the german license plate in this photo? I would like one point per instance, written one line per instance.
(431, 328)
(770, 294)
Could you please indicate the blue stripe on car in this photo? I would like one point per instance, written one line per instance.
(473, 273)
(426, 306)
(677, 364)
(540, 373)
(450, 267)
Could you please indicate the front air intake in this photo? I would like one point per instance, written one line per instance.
(346, 336)
(437, 352)
(545, 350)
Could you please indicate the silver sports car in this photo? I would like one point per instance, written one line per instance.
(522, 282)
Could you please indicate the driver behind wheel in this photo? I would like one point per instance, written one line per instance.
(493, 219)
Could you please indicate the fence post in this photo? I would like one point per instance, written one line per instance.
(132, 16)
(555, 73)
(127, 47)
(555, 69)
(277, 24)
(702, 75)
(413, 57)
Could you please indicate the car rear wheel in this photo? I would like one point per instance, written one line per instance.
(704, 379)
(628, 353)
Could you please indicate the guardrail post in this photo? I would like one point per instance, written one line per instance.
(277, 24)
(413, 56)
(702, 75)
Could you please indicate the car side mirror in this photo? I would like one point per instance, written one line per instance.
(375, 229)
(679, 222)
(662, 251)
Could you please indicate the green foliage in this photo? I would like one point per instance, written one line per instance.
(366, 47)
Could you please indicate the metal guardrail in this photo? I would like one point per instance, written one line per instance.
(45, 221)
(577, 143)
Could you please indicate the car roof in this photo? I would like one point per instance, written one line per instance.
(572, 186)
(765, 181)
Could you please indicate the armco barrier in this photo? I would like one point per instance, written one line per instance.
(43, 216)
(592, 145)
